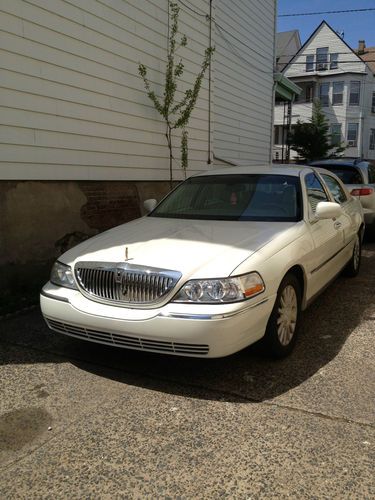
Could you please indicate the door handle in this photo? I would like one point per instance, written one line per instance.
(337, 225)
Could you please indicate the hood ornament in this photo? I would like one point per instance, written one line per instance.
(127, 254)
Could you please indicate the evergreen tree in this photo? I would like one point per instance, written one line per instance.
(312, 140)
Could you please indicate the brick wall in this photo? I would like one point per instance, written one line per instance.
(39, 220)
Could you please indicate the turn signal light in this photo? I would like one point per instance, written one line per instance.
(362, 192)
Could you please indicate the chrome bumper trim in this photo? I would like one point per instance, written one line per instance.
(55, 297)
(205, 317)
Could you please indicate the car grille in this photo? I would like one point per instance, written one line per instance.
(127, 341)
(124, 283)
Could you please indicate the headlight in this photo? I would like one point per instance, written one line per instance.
(218, 291)
(62, 275)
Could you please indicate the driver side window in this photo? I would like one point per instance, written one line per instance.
(315, 192)
(335, 189)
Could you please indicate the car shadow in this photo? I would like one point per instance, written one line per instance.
(246, 376)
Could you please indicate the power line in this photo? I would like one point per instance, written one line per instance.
(326, 12)
(234, 51)
(201, 13)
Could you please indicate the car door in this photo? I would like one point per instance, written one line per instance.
(327, 236)
(346, 221)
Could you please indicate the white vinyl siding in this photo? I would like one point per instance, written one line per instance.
(74, 107)
(243, 84)
(325, 37)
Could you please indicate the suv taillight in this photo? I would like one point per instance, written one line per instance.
(362, 192)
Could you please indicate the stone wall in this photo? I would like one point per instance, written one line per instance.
(39, 220)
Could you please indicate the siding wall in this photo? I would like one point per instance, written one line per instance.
(74, 107)
(243, 95)
(325, 37)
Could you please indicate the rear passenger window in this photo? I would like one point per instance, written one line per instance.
(347, 175)
(335, 189)
(315, 191)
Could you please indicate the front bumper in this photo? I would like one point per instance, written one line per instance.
(180, 329)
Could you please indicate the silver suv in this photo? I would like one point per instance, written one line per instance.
(359, 178)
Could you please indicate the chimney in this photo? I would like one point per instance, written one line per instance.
(361, 46)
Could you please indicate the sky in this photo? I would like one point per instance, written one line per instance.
(356, 25)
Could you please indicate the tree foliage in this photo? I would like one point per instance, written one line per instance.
(312, 140)
(176, 114)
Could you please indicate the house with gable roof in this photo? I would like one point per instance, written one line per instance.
(328, 69)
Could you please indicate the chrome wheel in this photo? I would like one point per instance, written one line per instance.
(287, 315)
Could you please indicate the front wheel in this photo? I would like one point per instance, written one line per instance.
(352, 268)
(282, 325)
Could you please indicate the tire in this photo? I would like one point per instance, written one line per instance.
(352, 268)
(282, 327)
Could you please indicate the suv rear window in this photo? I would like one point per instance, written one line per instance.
(348, 175)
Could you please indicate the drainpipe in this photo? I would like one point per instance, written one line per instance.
(274, 82)
(209, 88)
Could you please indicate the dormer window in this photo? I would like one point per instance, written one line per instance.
(322, 59)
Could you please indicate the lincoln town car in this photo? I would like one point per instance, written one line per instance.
(228, 258)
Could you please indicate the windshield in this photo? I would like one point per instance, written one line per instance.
(257, 197)
(348, 175)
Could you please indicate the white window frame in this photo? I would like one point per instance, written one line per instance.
(322, 58)
(352, 142)
(333, 61)
(355, 83)
(310, 60)
(340, 102)
(321, 85)
(337, 134)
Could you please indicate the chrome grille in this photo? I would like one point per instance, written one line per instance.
(124, 283)
(126, 341)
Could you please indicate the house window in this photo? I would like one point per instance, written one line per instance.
(324, 94)
(309, 93)
(322, 58)
(373, 103)
(337, 93)
(335, 134)
(355, 90)
(310, 63)
(372, 139)
(352, 136)
(333, 61)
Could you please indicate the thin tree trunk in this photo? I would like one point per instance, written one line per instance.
(169, 141)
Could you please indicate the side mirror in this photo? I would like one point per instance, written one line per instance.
(328, 210)
(150, 205)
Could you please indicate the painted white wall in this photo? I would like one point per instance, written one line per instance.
(243, 95)
(74, 107)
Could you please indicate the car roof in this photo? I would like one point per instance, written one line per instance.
(340, 163)
(277, 169)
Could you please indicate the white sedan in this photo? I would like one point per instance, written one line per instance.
(227, 258)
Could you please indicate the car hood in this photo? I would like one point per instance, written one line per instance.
(196, 248)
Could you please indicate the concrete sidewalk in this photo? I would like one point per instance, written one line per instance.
(79, 420)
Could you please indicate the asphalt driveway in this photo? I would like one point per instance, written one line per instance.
(79, 420)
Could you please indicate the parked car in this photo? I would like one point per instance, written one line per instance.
(227, 258)
(359, 178)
